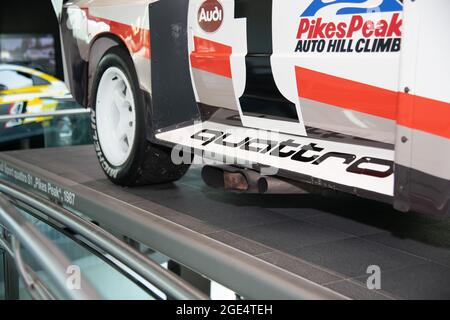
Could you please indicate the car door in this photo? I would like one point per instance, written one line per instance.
(288, 65)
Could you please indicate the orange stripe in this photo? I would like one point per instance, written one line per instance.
(346, 94)
(212, 57)
(136, 39)
(426, 115)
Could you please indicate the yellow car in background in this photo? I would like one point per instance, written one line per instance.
(27, 91)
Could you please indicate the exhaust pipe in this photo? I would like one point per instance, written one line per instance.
(241, 180)
(231, 178)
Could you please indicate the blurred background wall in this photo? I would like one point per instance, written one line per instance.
(32, 17)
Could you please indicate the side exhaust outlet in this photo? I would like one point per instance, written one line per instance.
(229, 178)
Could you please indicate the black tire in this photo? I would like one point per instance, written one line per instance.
(147, 163)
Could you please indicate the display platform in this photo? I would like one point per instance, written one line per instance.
(261, 246)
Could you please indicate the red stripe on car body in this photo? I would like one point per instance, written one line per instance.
(136, 39)
(427, 115)
(212, 57)
(348, 94)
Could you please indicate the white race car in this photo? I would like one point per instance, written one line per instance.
(352, 95)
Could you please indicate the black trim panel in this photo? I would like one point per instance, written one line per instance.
(261, 95)
(173, 99)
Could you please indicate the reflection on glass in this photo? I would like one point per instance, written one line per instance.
(44, 132)
(110, 283)
(26, 92)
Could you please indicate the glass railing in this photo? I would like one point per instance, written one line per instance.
(18, 235)
(65, 124)
(63, 256)
(110, 283)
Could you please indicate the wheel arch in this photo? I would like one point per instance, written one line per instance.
(97, 49)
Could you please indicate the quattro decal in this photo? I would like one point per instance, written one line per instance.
(311, 153)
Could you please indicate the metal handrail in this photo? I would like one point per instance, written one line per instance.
(49, 257)
(57, 113)
(150, 271)
(36, 288)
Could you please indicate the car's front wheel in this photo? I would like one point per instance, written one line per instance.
(119, 127)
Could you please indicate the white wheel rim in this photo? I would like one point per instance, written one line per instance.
(116, 116)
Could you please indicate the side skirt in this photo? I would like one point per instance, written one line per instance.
(361, 170)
